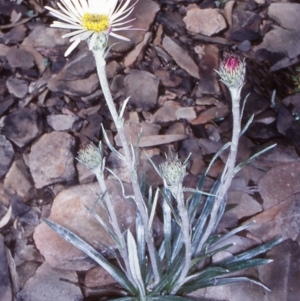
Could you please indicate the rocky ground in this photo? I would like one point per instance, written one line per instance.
(50, 104)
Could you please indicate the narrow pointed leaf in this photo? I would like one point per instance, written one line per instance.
(134, 264)
(94, 254)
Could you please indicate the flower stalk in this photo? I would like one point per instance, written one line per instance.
(92, 158)
(138, 198)
(232, 72)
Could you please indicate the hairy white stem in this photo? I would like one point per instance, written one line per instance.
(185, 227)
(228, 172)
(114, 222)
(138, 198)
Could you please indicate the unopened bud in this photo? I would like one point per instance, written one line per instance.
(173, 171)
(232, 71)
(91, 156)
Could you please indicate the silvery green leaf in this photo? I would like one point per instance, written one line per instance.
(195, 261)
(246, 264)
(173, 298)
(230, 233)
(247, 125)
(123, 106)
(197, 230)
(94, 254)
(253, 252)
(242, 164)
(218, 281)
(208, 273)
(172, 275)
(243, 106)
(121, 185)
(105, 226)
(141, 244)
(120, 156)
(153, 209)
(134, 264)
(218, 153)
(167, 231)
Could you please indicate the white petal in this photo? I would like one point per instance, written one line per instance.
(68, 13)
(70, 6)
(72, 47)
(73, 33)
(118, 36)
(65, 26)
(59, 15)
(82, 36)
(122, 23)
(92, 41)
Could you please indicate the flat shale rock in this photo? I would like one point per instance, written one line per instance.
(280, 221)
(279, 183)
(283, 274)
(144, 13)
(245, 204)
(15, 35)
(286, 14)
(209, 62)
(6, 155)
(51, 159)
(47, 285)
(204, 21)
(69, 211)
(22, 126)
(17, 87)
(142, 88)
(5, 285)
(20, 58)
(18, 179)
(78, 76)
(281, 40)
(181, 57)
(61, 122)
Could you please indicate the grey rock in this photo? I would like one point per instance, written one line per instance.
(283, 274)
(181, 57)
(282, 220)
(15, 35)
(142, 87)
(18, 179)
(20, 58)
(17, 87)
(69, 210)
(286, 14)
(144, 13)
(279, 183)
(281, 40)
(208, 82)
(62, 122)
(26, 271)
(245, 46)
(77, 77)
(5, 285)
(22, 126)
(6, 155)
(246, 19)
(204, 21)
(46, 285)
(51, 159)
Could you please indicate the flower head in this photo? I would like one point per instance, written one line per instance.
(92, 20)
(232, 71)
(173, 171)
(91, 156)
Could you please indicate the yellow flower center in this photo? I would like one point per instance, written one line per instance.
(94, 22)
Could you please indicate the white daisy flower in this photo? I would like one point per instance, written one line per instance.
(92, 19)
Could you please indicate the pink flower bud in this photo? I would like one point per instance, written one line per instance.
(232, 71)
